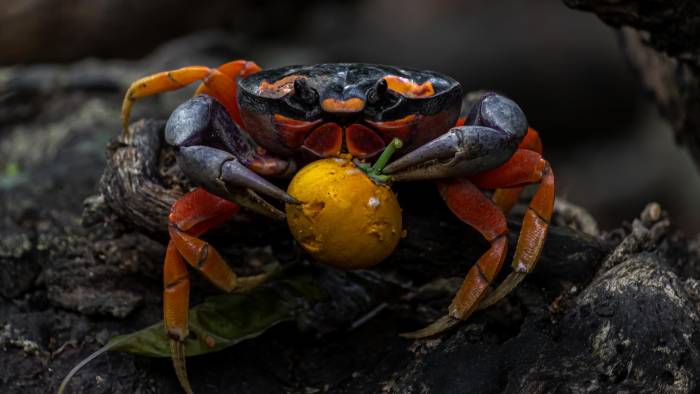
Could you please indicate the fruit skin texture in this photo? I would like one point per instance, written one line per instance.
(345, 220)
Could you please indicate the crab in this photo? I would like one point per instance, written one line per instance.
(244, 125)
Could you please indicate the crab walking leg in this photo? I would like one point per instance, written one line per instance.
(233, 70)
(525, 167)
(205, 259)
(474, 208)
(176, 298)
(531, 141)
(194, 214)
(218, 83)
(505, 198)
(191, 216)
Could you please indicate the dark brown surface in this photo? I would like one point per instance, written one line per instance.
(601, 313)
(662, 41)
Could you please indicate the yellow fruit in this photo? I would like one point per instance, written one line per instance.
(345, 219)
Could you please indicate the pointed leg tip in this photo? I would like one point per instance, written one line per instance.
(247, 283)
(177, 352)
(439, 326)
(126, 133)
(509, 283)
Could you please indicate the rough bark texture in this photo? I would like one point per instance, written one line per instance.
(662, 41)
(81, 256)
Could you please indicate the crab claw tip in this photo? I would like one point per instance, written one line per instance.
(290, 200)
(437, 149)
(235, 173)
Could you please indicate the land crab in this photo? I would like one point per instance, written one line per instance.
(245, 124)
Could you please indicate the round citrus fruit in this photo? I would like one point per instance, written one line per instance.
(345, 218)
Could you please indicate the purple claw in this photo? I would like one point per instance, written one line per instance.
(463, 151)
(221, 173)
(441, 148)
(495, 126)
(235, 173)
(216, 155)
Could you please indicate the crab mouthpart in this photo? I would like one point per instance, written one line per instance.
(332, 139)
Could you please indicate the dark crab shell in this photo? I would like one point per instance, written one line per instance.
(327, 109)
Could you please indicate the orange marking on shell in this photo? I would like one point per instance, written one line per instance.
(408, 87)
(350, 105)
(280, 87)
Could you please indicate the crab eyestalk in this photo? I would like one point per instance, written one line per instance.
(375, 171)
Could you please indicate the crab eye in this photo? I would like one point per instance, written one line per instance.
(303, 93)
(377, 92)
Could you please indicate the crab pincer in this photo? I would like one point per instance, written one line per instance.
(491, 135)
(225, 171)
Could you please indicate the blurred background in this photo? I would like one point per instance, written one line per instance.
(66, 64)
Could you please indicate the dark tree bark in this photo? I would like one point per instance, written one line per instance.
(662, 41)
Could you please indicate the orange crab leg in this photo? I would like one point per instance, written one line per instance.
(176, 298)
(474, 208)
(176, 294)
(525, 167)
(471, 206)
(204, 258)
(233, 70)
(506, 198)
(531, 141)
(221, 84)
(192, 215)
(468, 203)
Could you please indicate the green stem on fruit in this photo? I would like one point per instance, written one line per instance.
(376, 170)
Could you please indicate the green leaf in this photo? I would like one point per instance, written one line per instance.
(225, 320)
